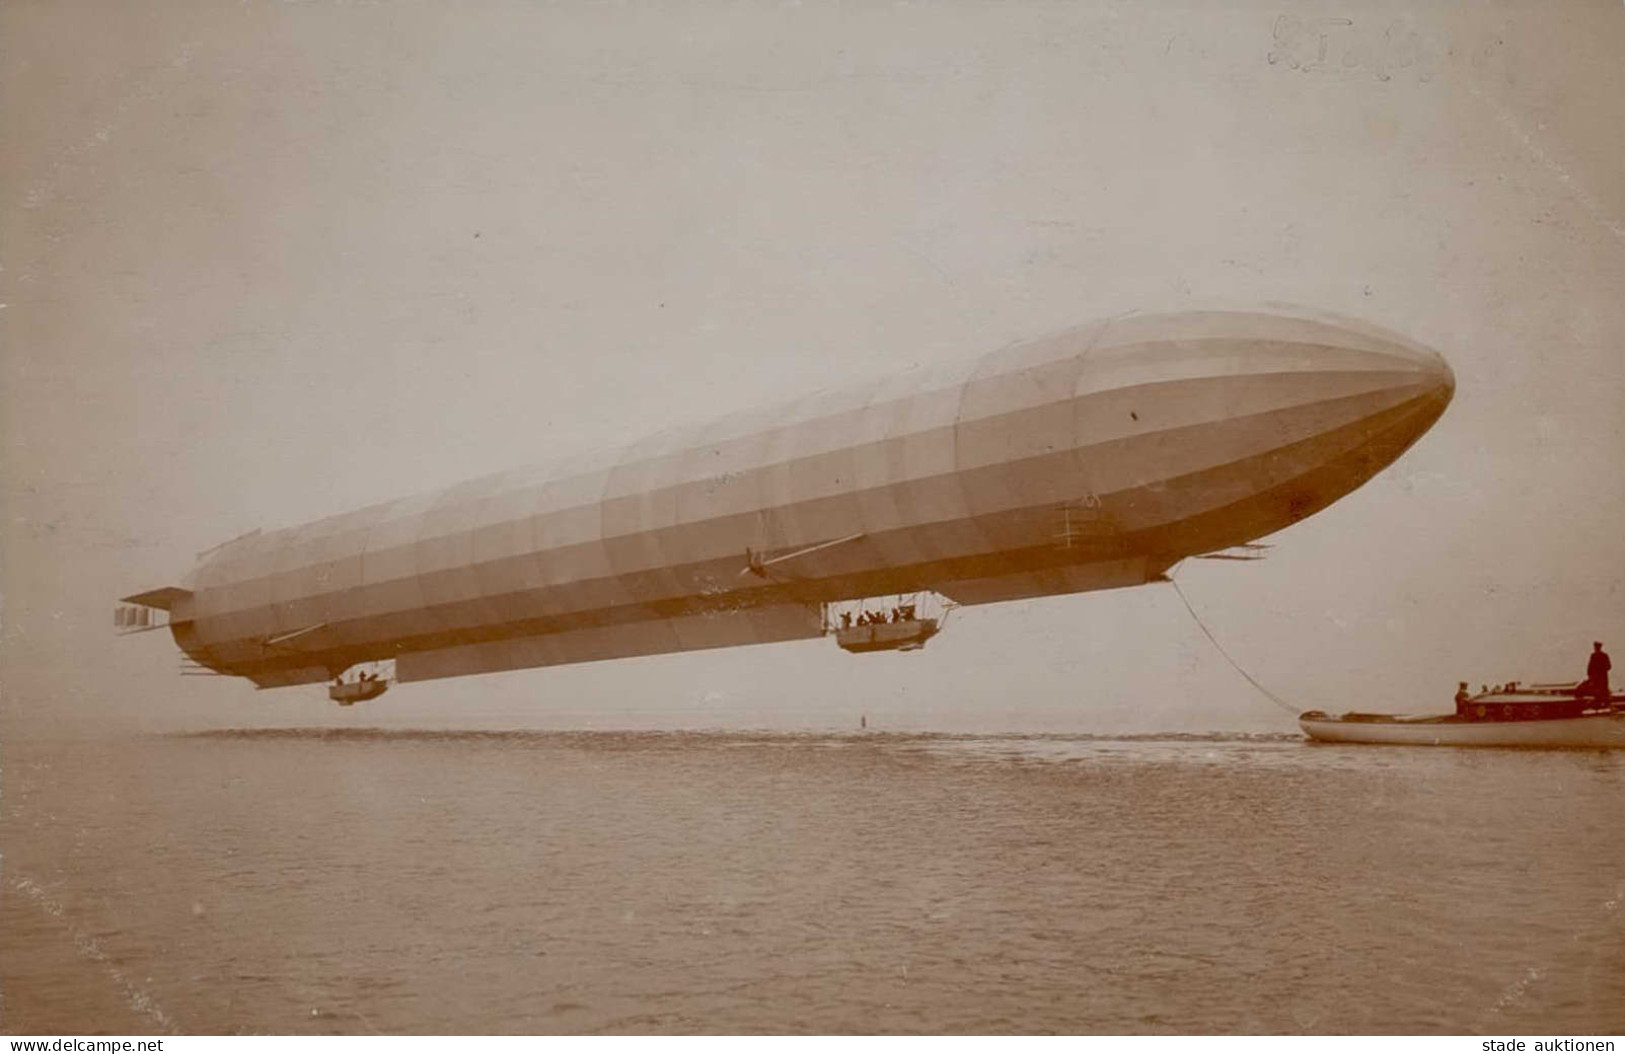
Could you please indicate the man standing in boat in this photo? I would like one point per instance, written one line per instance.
(1597, 672)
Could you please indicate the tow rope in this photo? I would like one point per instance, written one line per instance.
(1277, 700)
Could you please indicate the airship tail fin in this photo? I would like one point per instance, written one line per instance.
(164, 598)
(144, 612)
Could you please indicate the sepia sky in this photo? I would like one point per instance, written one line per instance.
(265, 262)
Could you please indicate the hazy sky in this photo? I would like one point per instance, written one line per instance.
(265, 262)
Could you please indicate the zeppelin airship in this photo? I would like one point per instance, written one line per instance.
(1093, 459)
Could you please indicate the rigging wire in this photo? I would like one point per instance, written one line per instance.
(1277, 700)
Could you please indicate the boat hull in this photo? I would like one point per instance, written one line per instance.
(1587, 730)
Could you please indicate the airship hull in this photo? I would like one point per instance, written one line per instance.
(1094, 459)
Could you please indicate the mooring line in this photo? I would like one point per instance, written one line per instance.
(1277, 700)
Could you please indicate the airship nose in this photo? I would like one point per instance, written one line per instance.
(1263, 419)
(1420, 371)
(1444, 378)
(1431, 366)
(1369, 395)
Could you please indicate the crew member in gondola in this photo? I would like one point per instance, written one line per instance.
(1461, 699)
(1597, 671)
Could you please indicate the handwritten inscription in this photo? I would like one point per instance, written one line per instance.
(1336, 44)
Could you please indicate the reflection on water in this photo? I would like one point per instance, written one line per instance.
(358, 881)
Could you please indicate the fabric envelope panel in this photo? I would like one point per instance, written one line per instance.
(1029, 374)
(808, 482)
(580, 575)
(824, 510)
(339, 576)
(639, 505)
(1267, 334)
(773, 493)
(389, 567)
(1127, 365)
(294, 594)
(878, 454)
(209, 581)
(1151, 460)
(1325, 434)
(445, 559)
(507, 568)
(1025, 424)
(246, 598)
(927, 489)
(704, 553)
(1188, 327)
(569, 531)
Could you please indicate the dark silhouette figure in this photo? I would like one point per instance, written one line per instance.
(1597, 671)
(1461, 699)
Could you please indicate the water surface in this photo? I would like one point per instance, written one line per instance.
(360, 881)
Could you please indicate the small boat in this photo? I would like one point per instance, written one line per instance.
(902, 635)
(1513, 716)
